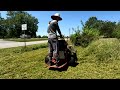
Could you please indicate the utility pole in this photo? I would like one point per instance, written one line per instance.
(0, 15)
(69, 32)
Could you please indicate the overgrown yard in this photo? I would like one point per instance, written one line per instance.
(100, 60)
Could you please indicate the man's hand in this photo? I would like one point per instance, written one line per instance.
(61, 36)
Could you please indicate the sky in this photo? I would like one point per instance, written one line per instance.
(71, 19)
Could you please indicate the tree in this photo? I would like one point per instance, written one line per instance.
(16, 19)
(91, 23)
(116, 32)
(44, 36)
(3, 31)
(39, 36)
(105, 28)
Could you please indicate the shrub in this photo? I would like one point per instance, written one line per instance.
(88, 36)
(38, 36)
(44, 36)
(84, 38)
(116, 33)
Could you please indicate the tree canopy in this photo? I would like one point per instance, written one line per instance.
(11, 26)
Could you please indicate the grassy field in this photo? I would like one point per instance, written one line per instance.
(27, 40)
(100, 60)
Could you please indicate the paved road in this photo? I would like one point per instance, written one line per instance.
(8, 44)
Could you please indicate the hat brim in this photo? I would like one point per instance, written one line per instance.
(54, 17)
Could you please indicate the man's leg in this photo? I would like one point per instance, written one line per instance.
(55, 50)
(50, 50)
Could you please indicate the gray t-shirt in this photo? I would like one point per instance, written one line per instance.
(53, 27)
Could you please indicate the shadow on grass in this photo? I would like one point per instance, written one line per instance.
(74, 65)
(64, 68)
(71, 58)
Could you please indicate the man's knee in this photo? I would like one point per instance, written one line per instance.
(50, 54)
(55, 55)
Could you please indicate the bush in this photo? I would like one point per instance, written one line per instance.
(88, 36)
(44, 36)
(38, 36)
(75, 37)
(116, 33)
(84, 38)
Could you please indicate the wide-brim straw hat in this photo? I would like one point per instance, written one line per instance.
(56, 15)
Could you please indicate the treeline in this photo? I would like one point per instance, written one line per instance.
(44, 36)
(11, 26)
(93, 29)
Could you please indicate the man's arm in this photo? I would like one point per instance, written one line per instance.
(58, 29)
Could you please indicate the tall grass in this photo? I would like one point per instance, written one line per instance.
(103, 50)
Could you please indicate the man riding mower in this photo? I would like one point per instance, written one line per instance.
(59, 51)
(66, 56)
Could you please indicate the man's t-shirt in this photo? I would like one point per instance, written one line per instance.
(53, 27)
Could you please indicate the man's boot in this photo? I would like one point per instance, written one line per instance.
(57, 61)
(50, 61)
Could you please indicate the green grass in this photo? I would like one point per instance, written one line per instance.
(27, 40)
(100, 60)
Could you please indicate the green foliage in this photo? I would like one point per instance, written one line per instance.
(44, 36)
(3, 31)
(84, 38)
(39, 36)
(14, 21)
(106, 28)
(88, 36)
(75, 37)
(91, 22)
(91, 32)
(92, 29)
(116, 32)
